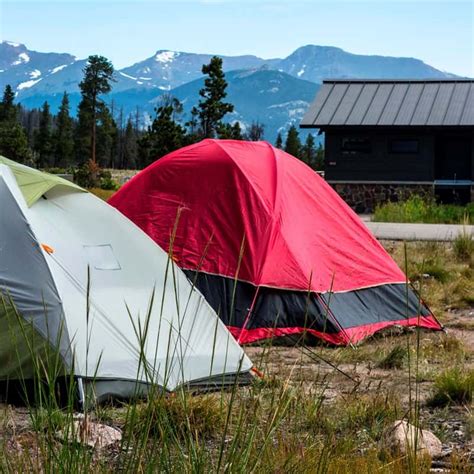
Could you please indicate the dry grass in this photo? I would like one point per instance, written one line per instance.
(453, 386)
(103, 194)
(444, 281)
(305, 415)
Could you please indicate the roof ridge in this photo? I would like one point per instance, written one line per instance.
(404, 81)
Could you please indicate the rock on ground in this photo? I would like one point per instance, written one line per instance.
(91, 434)
(402, 437)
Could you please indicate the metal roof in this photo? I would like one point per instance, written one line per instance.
(392, 103)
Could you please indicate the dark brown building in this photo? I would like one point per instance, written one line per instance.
(385, 140)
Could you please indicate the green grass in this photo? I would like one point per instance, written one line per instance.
(454, 386)
(181, 415)
(417, 209)
(103, 194)
(303, 416)
(395, 359)
(463, 246)
(444, 281)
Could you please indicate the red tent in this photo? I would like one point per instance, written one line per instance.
(270, 245)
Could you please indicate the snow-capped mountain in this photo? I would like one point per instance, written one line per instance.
(315, 63)
(23, 69)
(168, 69)
(30, 72)
(274, 98)
(274, 91)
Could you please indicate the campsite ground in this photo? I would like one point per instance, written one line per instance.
(316, 409)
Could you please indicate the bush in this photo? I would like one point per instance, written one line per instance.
(91, 175)
(463, 245)
(454, 386)
(417, 209)
(106, 181)
(181, 416)
(371, 412)
(56, 170)
(394, 359)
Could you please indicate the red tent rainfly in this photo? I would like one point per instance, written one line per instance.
(270, 244)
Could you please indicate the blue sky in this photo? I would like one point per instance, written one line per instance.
(440, 33)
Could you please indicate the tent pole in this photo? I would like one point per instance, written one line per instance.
(249, 313)
(82, 399)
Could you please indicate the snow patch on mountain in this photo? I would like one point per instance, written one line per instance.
(292, 103)
(127, 76)
(22, 58)
(58, 68)
(11, 43)
(35, 74)
(301, 71)
(27, 84)
(166, 56)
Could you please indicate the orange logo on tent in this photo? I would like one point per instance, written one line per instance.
(47, 249)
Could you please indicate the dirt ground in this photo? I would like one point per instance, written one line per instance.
(351, 372)
(340, 375)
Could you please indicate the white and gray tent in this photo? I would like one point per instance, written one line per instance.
(88, 282)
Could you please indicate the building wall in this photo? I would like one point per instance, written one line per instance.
(379, 163)
(367, 178)
(364, 197)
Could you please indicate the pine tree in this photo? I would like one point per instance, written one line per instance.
(13, 138)
(308, 152)
(8, 110)
(98, 78)
(64, 135)
(130, 147)
(279, 141)
(107, 133)
(193, 134)
(293, 143)
(14, 143)
(43, 144)
(319, 159)
(229, 131)
(256, 132)
(164, 136)
(212, 109)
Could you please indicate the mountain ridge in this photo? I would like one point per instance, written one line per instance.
(38, 76)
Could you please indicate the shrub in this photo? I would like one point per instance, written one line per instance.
(180, 416)
(417, 209)
(394, 359)
(91, 175)
(371, 413)
(433, 267)
(106, 181)
(56, 170)
(454, 386)
(463, 245)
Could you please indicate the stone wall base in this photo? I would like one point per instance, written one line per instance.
(364, 197)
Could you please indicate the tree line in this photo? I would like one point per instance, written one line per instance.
(101, 137)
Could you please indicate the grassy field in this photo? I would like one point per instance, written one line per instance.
(417, 209)
(314, 409)
(103, 194)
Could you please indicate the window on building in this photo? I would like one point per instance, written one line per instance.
(352, 145)
(404, 146)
